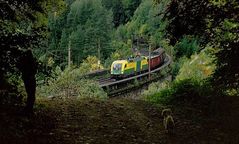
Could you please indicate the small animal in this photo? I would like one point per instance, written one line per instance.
(166, 112)
(168, 120)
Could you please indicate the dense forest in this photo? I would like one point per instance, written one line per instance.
(48, 46)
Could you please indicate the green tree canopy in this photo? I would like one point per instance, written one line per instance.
(87, 24)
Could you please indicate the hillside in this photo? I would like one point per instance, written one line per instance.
(85, 71)
(120, 121)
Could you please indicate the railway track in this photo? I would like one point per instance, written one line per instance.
(113, 86)
(103, 81)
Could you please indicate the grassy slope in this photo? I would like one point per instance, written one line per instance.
(119, 121)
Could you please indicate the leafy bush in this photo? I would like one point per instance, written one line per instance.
(176, 66)
(70, 83)
(187, 46)
(191, 82)
(187, 90)
(199, 66)
(155, 88)
(90, 64)
(45, 69)
(13, 91)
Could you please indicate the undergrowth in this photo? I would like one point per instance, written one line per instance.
(187, 90)
(69, 83)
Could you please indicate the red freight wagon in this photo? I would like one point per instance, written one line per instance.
(157, 58)
(155, 62)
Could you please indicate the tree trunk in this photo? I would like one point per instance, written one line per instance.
(30, 86)
(28, 67)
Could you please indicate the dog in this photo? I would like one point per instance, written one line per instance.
(168, 120)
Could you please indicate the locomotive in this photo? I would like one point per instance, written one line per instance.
(136, 65)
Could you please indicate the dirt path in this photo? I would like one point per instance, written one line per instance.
(116, 121)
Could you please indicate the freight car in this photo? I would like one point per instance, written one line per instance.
(137, 65)
(157, 58)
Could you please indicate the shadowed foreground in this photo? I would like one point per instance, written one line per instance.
(118, 121)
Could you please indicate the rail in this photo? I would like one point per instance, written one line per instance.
(114, 82)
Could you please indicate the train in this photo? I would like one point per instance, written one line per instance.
(137, 65)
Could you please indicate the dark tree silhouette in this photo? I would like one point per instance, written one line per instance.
(16, 38)
(188, 17)
(216, 24)
(28, 66)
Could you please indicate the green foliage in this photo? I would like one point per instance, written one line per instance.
(187, 46)
(85, 26)
(23, 26)
(91, 63)
(176, 66)
(186, 17)
(191, 89)
(14, 91)
(45, 69)
(145, 20)
(123, 50)
(215, 22)
(122, 10)
(187, 90)
(146, 24)
(20, 25)
(121, 33)
(136, 82)
(190, 84)
(155, 88)
(199, 66)
(69, 83)
(224, 35)
(181, 27)
(64, 40)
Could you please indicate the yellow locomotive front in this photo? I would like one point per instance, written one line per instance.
(117, 67)
(125, 68)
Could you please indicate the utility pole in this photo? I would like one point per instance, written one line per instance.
(132, 43)
(98, 53)
(69, 66)
(54, 16)
(69, 54)
(137, 43)
(149, 60)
